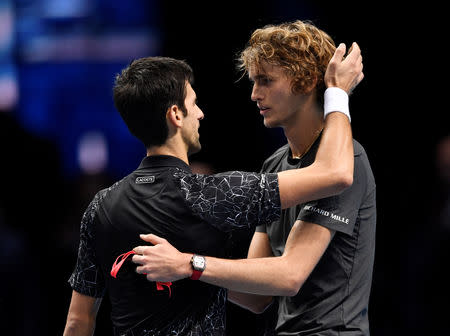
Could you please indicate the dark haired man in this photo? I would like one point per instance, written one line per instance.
(157, 102)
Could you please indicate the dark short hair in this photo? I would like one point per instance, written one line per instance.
(145, 90)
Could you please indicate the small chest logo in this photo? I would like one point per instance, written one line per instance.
(145, 179)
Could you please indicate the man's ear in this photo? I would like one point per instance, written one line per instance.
(175, 116)
(311, 86)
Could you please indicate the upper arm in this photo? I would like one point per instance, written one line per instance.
(260, 246)
(233, 199)
(84, 305)
(82, 313)
(305, 246)
(310, 183)
(87, 277)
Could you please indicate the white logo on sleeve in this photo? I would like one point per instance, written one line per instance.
(327, 214)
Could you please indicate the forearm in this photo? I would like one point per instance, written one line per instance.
(332, 171)
(334, 159)
(255, 303)
(275, 276)
(335, 151)
(262, 276)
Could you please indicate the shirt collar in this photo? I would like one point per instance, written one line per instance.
(309, 156)
(164, 161)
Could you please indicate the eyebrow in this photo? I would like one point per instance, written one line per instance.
(257, 77)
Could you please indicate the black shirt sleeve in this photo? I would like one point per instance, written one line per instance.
(233, 199)
(339, 213)
(87, 277)
(262, 227)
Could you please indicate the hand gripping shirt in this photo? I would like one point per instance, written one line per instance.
(194, 213)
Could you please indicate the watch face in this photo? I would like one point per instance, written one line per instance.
(198, 262)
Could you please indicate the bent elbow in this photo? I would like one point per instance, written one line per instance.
(343, 181)
(72, 326)
(292, 286)
(347, 180)
(75, 325)
(291, 290)
(260, 307)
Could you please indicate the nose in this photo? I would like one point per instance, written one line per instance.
(201, 115)
(256, 93)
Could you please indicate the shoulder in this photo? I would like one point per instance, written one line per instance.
(276, 157)
(363, 169)
(360, 154)
(358, 149)
(278, 153)
(100, 196)
(233, 199)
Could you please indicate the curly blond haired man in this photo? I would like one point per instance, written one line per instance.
(316, 261)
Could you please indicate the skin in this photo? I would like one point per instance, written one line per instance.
(82, 314)
(331, 173)
(190, 133)
(183, 138)
(301, 120)
(280, 108)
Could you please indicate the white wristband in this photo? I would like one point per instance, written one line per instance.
(336, 100)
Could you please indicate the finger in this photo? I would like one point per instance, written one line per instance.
(354, 54)
(138, 259)
(142, 270)
(361, 77)
(152, 238)
(360, 59)
(140, 250)
(350, 49)
(338, 53)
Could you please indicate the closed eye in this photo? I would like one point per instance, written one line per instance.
(262, 79)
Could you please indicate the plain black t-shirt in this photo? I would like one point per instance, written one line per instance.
(334, 299)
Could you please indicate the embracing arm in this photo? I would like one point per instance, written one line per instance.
(259, 248)
(332, 170)
(81, 317)
(277, 276)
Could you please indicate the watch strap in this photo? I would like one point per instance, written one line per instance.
(196, 275)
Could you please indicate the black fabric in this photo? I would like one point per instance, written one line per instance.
(335, 297)
(163, 197)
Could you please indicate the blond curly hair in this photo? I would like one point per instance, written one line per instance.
(299, 47)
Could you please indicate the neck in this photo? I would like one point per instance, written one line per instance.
(169, 148)
(304, 130)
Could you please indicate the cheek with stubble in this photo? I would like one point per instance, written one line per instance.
(195, 144)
